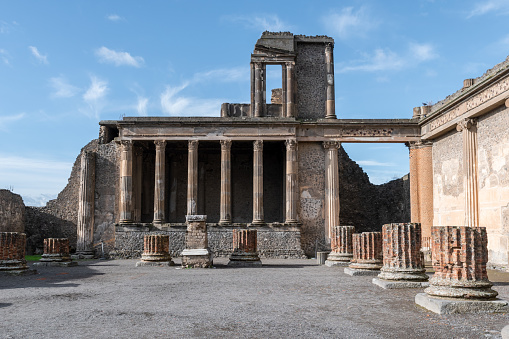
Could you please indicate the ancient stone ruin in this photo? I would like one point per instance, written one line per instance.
(341, 245)
(156, 251)
(245, 251)
(56, 253)
(367, 254)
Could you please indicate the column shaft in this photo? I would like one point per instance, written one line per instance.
(292, 189)
(330, 110)
(258, 95)
(173, 188)
(253, 89)
(289, 90)
(137, 183)
(86, 195)
(258, 182)
(192, 178)
(126, 182)
(284, 89)
(469, 129)
(225, 203)
(331, 186)
(160, 182)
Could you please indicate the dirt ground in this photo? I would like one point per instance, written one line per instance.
(281, 299)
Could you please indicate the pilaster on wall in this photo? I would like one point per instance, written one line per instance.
(421, 186)
(468, 127)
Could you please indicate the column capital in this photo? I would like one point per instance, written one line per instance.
(329, 46)
(193, 145)
(160, 143)
(258, 145)
(226, 144)
(331, 144)
(291, 144)
(290, 64)
(419, 144)
(125, 143)
(466, 123)
(258, 65)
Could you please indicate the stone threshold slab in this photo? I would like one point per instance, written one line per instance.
(355, 272)
(388, 284)
(333, 263)
(451, 306)
(155, 264)
(56, 263)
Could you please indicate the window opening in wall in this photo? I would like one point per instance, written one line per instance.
(273, 76)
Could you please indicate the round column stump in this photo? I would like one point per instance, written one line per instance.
(12, 253)
(459, 257)
(56, 253)
(244, 248)
(341, 246)
(156, 251)
(367, 251)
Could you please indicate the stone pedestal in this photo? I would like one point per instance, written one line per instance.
(156, 251)
(244, 249)
(56, 253)
(197, 253)
(12, 253)
(341, 245)
(367, 254)
(402, 260)
(459, 255)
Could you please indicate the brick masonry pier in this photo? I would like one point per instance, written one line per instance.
(197, 253)
(244, 248)
(341, 245)
(402, 260)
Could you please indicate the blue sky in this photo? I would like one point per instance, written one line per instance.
(66, 65)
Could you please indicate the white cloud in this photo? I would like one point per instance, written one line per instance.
(350, 23)
(4, 120)
(269, 22)
(95, 95)
(178, 105)
(500, 7)
(107, 55)
(114, 17)
(375, 163)
(62, 88)
(4, 57)
(223, 74)
(387, 60)
(141, 107)
(41, 58)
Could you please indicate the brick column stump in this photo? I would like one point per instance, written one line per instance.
(460, 283)
(341, 246)
(244, 248)
(402, 260)
(12, 254)
(197, 253)
(156, 251)
(56, 253)
(367, 254)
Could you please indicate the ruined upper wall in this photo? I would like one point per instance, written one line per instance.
(12, 212)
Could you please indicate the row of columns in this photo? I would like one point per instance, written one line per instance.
(126, 182)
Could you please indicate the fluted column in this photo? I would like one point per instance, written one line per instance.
(56, 249)
(341, 246)
(331, 186)
(367, 251)
(126, 181)
(244, 248)
(258, 90)
(192, 178)
(86, 195)
(292, 189)
(226, 185)
(258, 182)
(330, 110)
(160, 182)
(469, 130)
(290, 108)
(421, 185)
(12, 251)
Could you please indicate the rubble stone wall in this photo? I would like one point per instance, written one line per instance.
(12, 212)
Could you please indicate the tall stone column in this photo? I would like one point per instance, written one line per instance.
(284, 89)
(292, 189)
(290, 107)
(160, 182)
(225, 213)
(253, 89)
(330, 110)
(258, 90)
(421, 186)
(403, 266)
(341, 246)
(258, 182)
(192, 178)
(468, 127)
(126, 182)
(86, 195)
(331, 186)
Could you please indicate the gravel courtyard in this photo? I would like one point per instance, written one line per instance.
(281, 299)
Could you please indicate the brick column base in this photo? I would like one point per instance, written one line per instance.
(56, 253)
(244, 248)
(156, 251)
(341, 245)
(12, 253)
